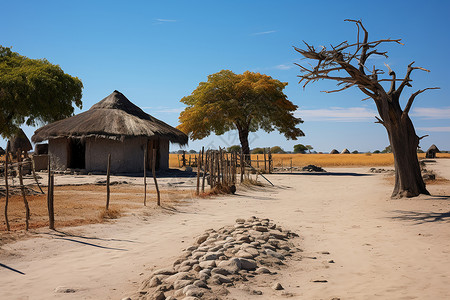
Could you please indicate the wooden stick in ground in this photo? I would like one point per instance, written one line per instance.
(242, 166)
(145, 175)
(291, 164)
(211, 169)
(33, 169)
(6, 186)
(205, 166)
(51, 223)
(199, 166)
(108, 169)
(265, 160)
(51, 216)
(158, 202)
(22, 188)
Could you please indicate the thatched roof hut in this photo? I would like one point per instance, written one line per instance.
(113, 125)
(115, 117)
(19, 141)
(345, 151)
(334, 151)
(431, 152)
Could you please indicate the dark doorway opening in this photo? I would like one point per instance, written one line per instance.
(76, 153)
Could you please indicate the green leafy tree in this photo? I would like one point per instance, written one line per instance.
(258, 151)
(355, 152)
(246, 102)
(34, 91)
(388, 149)
(376, 151)
(299, 148)
(234, 148)
(309, 147)
(277, 149)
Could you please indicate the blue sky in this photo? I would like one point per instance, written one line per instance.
(156, 52)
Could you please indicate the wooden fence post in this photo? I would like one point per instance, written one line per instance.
(7, 187)
(242, 166)
(22, 188)
(51, 216)
(108, 169)
(145, 176)
(158, 202)
(291, 164)
(265, 160)
(51, 223)
(205, 166)
(33, 167)
(183, 159)
(199, 166)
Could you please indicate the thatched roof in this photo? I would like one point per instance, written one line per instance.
(433, 148)
(345, 151)
(19, 141)
(334, 151)
(115, 117)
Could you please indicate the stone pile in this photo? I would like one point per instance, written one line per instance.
(312, 168)
(221, 258)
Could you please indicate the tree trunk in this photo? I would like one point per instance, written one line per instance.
(243, 138)
(404, 143)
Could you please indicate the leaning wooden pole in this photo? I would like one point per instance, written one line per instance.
(108, 170)
(7, 187)
(145, 176)
(22, 188)
(158, 201)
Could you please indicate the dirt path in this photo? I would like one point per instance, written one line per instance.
(381, 248)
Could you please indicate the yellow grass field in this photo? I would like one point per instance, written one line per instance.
(322, 160)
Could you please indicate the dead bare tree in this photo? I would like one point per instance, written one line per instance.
(352, 58)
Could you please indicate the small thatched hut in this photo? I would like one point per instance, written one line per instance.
(345, 151)
(334, 151)
(431, 152)
(19, 141)
(116, 126)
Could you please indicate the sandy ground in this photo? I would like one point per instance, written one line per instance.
(381, 248)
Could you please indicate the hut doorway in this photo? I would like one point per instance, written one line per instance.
(76, 153)
(152, 144)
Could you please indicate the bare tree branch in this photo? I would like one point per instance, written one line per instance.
(413, 96)
(379, 121)
(423, 136)
(406, 80)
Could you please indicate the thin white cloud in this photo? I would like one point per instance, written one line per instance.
(340, 114)
(283, 67)
(431, 112)
(434, 129)
(165, 20)
(264, 32)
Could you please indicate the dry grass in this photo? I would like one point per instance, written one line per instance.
(84, 204)
(322, 160)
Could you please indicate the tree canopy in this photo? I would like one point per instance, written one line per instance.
(34, 91)
(246, 102)
(277, 150)
(300, 148)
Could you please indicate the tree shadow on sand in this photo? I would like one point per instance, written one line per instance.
(422, 217)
